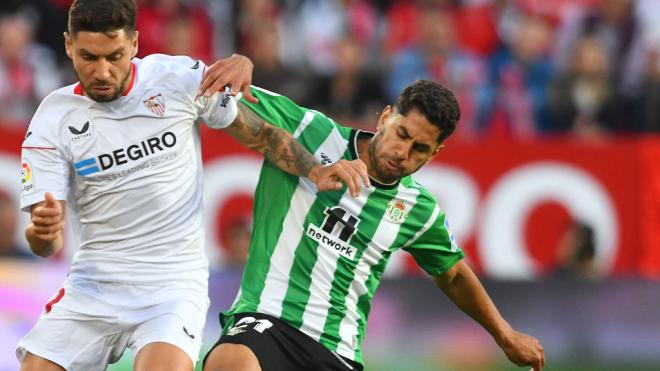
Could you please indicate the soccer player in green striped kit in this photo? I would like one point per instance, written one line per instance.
(316, 258)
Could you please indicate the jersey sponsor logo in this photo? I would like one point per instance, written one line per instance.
(80, 133)
(330, 241)
(27, 182)
(156, 104)
(226, 97)
(325, 160)
(225, 100)
(336, 231)
(195, 66)
(396, 211)
(123, 156)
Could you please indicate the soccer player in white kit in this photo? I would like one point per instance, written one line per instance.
(121, 148)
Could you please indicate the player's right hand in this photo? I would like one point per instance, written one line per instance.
(47, 218)
(524, 350)
(330, 178)
(234, 72)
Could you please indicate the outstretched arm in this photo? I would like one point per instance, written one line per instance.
(462, 286)
(282, 149)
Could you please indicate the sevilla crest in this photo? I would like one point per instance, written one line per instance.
(156, 104)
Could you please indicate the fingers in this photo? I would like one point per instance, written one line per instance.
(235, 71)
(525, 350)
(360, 175)
(48, 233)
(361, 169)
(357, 181)
(543, 358)
(50, 200)
(331, 179)
(49, 208)
(207, 80)
(539, 356)
(216, 77)
(48, 229)
(330, 184)
(215, 81)
(44, 211)
(538, 360)
(247, 94)
(354, 174)
(47, 213)
(350, 178)
(46, 220)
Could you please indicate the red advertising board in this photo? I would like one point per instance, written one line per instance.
(552, 182)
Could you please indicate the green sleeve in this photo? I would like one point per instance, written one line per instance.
(436, 251)
(277, 109)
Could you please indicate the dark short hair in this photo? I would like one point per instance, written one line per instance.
(102, 16)
(434, 101)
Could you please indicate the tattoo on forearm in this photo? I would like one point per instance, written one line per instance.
(277, 148)
(305, 161)
(280, 147)
(254, 123)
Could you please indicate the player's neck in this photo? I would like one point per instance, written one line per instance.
(363, 145)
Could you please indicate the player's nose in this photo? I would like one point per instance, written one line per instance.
(402, 151)
(102, 70)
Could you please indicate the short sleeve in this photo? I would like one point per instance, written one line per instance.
(280, 111)
(435, 250)
(44, 167)
(219, 110)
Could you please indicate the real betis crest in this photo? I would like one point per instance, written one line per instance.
(396, 211)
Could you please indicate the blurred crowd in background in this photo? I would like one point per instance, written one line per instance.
(520, 68)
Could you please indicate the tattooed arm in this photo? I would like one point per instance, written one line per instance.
(282, 149)
(277, 145)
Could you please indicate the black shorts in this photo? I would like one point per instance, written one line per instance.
(280, 346)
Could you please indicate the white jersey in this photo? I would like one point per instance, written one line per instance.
(131, 171)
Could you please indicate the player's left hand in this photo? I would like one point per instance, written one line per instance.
(330, 178)
(234, 72)
(523, 350)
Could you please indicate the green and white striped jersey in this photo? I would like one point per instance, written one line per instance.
(316, 259)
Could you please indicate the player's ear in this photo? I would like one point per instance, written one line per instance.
(387, 111)
(135, 44)
(437, 150)
(68, 44)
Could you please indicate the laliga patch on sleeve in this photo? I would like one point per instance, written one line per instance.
(27, 180)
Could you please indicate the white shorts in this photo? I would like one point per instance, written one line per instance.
(80, 330)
